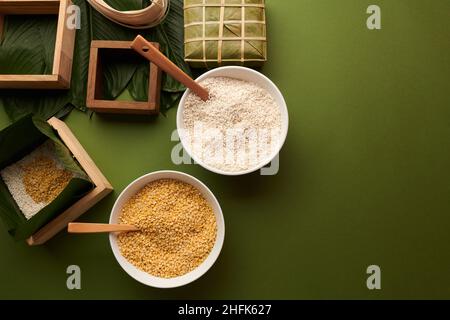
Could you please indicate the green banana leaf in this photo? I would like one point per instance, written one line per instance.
(18, 140)
(39, 34)
(139, 83)
(118, 70)
(28, 45)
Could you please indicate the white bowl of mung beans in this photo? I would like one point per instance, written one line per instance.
(181, 229)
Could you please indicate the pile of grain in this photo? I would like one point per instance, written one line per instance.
(178, 229)
(36, 180)
(236, 129)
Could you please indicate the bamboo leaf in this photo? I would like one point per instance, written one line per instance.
(117, 74)
(104, 29)
(80, 68)
(22, 51)
(170, 34)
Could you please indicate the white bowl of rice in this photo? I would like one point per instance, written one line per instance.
(241, 128)
(181, 229)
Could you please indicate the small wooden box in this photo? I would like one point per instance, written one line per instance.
(64, 45)
(101, 187)
(95, 99)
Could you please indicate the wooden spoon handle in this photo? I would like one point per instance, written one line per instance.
(75, 227)
(148, 51)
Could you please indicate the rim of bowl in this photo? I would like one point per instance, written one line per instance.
(263, 163)
(220, 238)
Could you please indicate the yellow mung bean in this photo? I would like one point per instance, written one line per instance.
(178, 228)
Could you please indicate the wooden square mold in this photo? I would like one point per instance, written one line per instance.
(95, 97)
(64, 44)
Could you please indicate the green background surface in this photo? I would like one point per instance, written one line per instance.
(364, 175)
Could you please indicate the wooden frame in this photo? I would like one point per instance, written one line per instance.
(94, 99)
(64, 45)
(101, 187)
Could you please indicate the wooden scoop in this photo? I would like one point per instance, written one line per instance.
(148, 51)
(75, 227)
